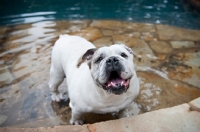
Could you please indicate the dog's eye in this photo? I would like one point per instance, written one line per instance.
(99, 59)
(124, 55)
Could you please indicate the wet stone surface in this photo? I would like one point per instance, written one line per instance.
(167, 61)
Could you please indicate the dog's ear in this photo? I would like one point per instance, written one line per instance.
(131, 52)
(87, 57)
(128, 49)
(88, 54)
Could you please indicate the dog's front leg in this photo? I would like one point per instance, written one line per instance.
(122, 113)
(76, 116)
(56, 78)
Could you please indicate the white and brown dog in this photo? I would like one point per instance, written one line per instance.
(99, 80)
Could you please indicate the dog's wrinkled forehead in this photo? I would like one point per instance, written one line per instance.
(111, 50)
(101, 51)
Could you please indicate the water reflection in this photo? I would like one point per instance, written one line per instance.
(30, 14)
(31, 19)
(165, 75)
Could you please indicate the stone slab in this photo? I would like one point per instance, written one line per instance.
(195, 104)
(103, 41)
(126, 26)
(88, 33)
(160, 47)
(174, 33)
(184, 66)
(182, 44)
(179, 119)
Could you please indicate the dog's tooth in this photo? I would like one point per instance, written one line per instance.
(112, 84)
(122, 83)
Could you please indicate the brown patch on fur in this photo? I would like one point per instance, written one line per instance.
(87, 56)
(80, 61)
(89, 64)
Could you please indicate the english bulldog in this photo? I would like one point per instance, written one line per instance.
(99, 80)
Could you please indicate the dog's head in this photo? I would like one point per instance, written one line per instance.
(111, 67)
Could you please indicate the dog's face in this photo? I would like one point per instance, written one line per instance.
(111, 67)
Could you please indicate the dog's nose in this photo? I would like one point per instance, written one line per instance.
(112, 61)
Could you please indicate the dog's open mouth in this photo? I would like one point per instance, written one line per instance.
(116, 84)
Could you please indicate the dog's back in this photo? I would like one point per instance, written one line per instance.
(64, 59)
(68, 50)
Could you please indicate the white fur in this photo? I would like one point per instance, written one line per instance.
(84, 94)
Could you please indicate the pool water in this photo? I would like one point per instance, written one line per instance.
(171, 12)
(167, 57)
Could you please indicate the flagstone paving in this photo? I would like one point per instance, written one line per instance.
(181, 118)
(167, 61)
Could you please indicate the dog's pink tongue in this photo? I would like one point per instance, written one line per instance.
(118, 82)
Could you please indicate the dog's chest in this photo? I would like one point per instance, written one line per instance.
(108, 106)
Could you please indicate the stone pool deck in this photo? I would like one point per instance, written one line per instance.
(181, 118)
(167, 61)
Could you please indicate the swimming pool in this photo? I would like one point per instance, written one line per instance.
(171, 12)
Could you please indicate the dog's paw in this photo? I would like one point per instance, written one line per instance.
(57, 97)
(76, 122)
